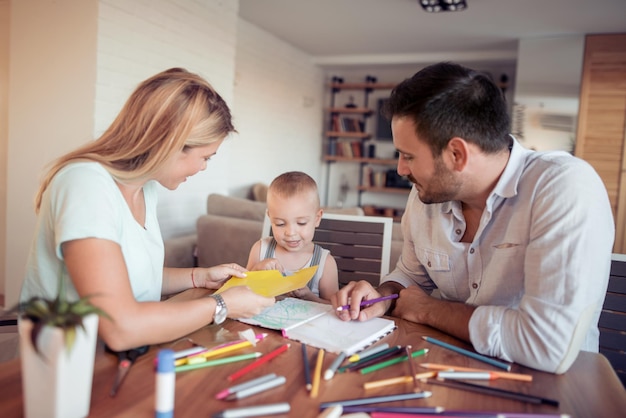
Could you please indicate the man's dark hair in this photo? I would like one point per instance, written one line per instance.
(447, 100)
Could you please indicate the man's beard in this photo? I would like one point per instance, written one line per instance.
(443, 185)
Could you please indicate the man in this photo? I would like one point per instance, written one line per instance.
(504, 247)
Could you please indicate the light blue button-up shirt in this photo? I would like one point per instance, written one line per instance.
(538, 267)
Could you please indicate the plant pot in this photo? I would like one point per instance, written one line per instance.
(56, 383)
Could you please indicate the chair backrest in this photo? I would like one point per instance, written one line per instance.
(361, 245)
(612, 321)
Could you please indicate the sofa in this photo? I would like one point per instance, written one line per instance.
(229, 229)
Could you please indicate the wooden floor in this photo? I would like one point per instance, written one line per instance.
(9, 341)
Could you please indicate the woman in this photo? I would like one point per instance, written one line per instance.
(97, 216)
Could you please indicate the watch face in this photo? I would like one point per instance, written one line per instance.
(220, 310)
(220, 315)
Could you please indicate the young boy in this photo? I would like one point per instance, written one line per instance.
(293, 206)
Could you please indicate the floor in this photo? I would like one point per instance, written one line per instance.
(9, 340)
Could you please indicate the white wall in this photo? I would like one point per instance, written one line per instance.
(548, 83)
(52, 73)
(139, 39)
(278, 111)
(4, 130)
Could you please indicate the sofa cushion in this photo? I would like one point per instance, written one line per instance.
(234, 207)
(223, 239)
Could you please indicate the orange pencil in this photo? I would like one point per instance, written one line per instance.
(259, 362)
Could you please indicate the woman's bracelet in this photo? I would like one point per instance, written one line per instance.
(192, 280)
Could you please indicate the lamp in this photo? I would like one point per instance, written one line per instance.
(436, 6)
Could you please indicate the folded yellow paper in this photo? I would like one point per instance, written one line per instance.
(271, 283)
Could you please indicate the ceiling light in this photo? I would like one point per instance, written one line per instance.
(435, 6)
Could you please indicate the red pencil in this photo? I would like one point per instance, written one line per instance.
(258, 362)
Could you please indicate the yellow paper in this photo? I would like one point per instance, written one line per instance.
(271, 283)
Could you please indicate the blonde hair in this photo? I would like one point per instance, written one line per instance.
(166, 113)
(293, 183)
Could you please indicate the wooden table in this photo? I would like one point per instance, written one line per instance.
(589, 389)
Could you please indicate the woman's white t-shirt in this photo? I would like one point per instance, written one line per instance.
(84, 201)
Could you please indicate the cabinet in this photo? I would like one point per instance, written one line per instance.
(601, 133)
(350, 138)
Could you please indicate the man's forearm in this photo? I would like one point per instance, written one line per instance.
(450, 317)
(390, 288)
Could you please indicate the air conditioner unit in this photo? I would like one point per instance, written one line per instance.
(557, 122)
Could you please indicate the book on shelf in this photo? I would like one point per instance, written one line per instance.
(317, 324)
(349, 124)
(349, 149)
(372, 178)
(357, 147)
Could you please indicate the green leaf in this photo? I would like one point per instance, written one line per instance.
(57, 313)
(70, 338)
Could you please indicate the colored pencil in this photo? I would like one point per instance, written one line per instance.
(358, 356)
(488, 390)
(397, 409)
(307, 368)
(264, 359)
(317, 376)
(250, 383)
(198, 356)
(376, 359)
(330, 372)
(391, 362)
(261, 387)
(501, 375)
(217, 362)
(409, 358)
(467, 375)
(371, 359)
(369, 302)
(377, 399)
(396, 380)
(254, 411)
(471, 354)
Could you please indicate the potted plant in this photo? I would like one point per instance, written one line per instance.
(57, 350)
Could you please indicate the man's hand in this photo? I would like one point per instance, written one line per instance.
(353, 294)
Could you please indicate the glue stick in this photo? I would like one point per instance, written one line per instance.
(165, 385)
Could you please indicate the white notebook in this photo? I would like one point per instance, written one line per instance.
(317, 325)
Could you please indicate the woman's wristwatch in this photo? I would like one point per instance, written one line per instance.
(221, 311)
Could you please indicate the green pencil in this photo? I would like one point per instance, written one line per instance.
(217, 362)
(392, 361)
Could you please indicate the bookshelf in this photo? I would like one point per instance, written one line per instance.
(349, 138)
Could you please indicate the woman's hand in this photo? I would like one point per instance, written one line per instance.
(242, 302)
(214, 277)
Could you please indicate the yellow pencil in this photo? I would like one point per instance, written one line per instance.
(397, 380)
(501, 375)
(201, 358)
(318, 373)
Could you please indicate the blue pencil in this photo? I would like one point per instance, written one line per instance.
(307, 368)
(471, 354)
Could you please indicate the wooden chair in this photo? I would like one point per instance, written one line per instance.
(612, 321)
(361, 245)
